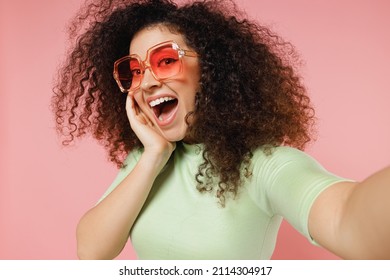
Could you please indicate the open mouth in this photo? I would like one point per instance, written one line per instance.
(163, 107)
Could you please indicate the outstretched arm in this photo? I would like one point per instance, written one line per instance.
(353, 219)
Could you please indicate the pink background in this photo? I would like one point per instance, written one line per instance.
(44, 188)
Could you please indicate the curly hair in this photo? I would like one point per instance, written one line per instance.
(250, 93)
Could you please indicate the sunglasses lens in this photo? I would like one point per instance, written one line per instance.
(124, 73)
(135, 72)
(165, 62)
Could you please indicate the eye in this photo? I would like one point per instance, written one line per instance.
(135, 68)
(135, 72)
(167, 61)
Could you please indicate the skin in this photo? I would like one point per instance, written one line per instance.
(349, 219)
(352, 219)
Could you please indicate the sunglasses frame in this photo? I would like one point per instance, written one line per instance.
(145, 64)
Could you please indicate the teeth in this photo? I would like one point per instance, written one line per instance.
(159, 101)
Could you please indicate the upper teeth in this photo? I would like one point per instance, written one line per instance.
(159, 101)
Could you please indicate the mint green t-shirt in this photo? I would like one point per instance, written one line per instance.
(179, 222)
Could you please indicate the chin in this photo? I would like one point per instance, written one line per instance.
(174, 139)
(173, 136)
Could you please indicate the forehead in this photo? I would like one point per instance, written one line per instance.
(149, 37)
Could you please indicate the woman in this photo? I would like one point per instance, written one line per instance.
(206, 115)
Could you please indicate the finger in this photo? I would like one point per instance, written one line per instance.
(131, 107)
(145, 118)
(129, 104)
(135, 112)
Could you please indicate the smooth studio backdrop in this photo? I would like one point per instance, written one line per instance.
(45, 188)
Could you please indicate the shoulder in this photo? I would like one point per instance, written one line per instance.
(286, 164)
(279, 157)
(287, 181)
(286, 170)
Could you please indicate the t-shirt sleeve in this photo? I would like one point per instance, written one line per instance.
(130, 162)
(287, 182)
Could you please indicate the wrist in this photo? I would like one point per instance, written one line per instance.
(155, 159)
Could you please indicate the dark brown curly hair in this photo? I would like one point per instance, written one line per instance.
(250, 93)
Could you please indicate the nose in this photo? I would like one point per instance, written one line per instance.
(149, 81)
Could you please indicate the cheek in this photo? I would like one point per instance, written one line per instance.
(192, 74)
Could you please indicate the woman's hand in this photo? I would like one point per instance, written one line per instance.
(151, 138)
